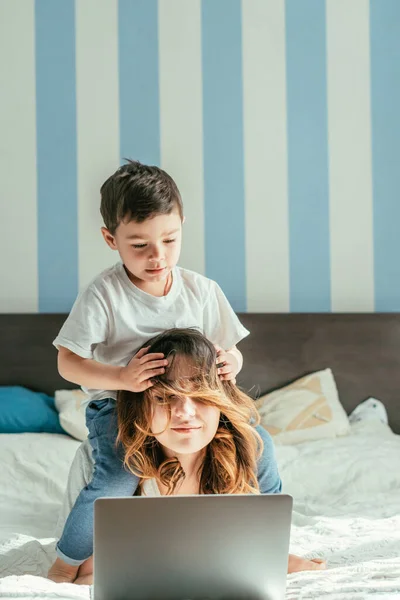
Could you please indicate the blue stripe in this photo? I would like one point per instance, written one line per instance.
(138, 80)
(56, 155)
(385, 106)
(223, 148)
(307, 157)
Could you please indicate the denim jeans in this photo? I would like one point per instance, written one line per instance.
(110, 478)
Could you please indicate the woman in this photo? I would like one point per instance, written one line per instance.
(189, 433)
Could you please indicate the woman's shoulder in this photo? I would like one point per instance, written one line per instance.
(267, 472)
(266, 438)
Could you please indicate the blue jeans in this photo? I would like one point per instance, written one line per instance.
(110, 478)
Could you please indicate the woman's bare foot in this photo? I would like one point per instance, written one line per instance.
(296, 564)
(84, 580)
(62, 572)
(85, 573)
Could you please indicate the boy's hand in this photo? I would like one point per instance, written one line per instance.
(136, 376)
(229, 365)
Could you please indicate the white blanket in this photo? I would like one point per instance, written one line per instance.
(347, 509)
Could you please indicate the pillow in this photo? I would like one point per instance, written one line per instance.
(72, 413)
(308, 409)
(24, 411)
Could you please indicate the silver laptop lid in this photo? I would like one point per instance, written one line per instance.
(180, 547)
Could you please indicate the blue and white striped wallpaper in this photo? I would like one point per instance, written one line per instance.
(279, 120)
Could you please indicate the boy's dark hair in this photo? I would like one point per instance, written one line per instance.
(138, 192)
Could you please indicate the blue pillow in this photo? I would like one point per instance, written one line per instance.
(24, 411)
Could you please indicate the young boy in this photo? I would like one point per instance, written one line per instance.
(127, 304)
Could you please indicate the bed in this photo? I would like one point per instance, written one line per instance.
(346, 489)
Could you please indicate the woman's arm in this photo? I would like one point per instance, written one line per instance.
(267, 468)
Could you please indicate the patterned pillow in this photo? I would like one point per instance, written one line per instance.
(308, 409)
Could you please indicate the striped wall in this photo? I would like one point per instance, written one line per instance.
(279, 120)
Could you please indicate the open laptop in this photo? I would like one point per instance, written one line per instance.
(192, 547)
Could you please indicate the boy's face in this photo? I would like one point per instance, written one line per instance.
(149, 250)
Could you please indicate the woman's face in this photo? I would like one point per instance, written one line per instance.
(190, 426)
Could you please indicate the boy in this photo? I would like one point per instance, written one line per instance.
(127, 304)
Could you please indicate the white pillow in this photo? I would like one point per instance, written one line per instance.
(307, 409)
(72, 413)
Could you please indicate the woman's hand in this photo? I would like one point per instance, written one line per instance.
(137, 375)
(297, 563)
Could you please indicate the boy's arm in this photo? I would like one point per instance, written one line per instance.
(230, 361)
(135, 376)
(235, 352)
(223, 328)
(87, 372)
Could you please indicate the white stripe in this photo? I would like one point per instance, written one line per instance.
(181, 117)
(264, 94)
(97, 126)
(18, 239)
(350, 170)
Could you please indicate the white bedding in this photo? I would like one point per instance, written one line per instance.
(347, 509)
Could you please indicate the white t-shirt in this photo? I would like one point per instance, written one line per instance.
(112, 318)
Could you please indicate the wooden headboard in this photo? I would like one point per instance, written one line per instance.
(363, 351)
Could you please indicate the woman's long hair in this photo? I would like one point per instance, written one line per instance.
(230, 459)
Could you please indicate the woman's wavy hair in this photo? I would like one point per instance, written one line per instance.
(230, 459)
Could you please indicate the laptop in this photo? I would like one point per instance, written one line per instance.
(192, 547)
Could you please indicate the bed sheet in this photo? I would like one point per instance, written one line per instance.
(33, 473)
(346, 509)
